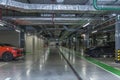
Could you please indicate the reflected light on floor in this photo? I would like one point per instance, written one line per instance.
(40, 67)
(66, 67)
(28, 72)
(82, 52)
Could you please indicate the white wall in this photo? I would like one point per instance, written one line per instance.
(10, 37)
(29, 43)
(33, 43)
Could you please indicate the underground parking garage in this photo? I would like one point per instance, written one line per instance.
(59, 40)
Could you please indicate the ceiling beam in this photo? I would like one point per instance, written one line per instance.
(29, 1)
(43, 20)
(55, 18)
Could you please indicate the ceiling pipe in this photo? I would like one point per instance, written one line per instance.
(49, 19)
(104, 25)
(56, 8)
(108, 2)
(103, 7)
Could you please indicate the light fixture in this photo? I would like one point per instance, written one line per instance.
(86, 24)
(94, 31)
(17, 30)
(104, 36)
(83, 35)
(113, 14)
(1, 24)
(28, 34)
(74, 39)
(60, 1)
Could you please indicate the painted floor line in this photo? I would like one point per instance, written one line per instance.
(3, 64)
(102, 65)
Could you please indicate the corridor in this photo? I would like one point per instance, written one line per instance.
(49, 64)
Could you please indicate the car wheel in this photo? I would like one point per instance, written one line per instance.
(7, 56)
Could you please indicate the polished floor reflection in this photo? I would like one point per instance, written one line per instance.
(87, 70)
(48, 64)
(42, 65)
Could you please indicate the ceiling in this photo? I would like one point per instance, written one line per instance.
(55, 1)
(58, 22)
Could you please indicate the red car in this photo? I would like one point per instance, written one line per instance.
(8, 52)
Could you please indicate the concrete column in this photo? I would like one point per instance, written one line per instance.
(87, 40)
(39, 44)
(34, 42)
(22, 39)
(117, 39)
(94, 40)
(108, 36)
(79, 43)
(76, 42)
(69, 42)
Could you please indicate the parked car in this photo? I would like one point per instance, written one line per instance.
(9, 52)
(97, 51)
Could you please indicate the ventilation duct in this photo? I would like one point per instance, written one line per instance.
(105, 7)
(24, 7)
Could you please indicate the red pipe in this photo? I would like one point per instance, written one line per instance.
(53, 15)
(13, 13)
(6, 14)
(0, 13)
(53, 18)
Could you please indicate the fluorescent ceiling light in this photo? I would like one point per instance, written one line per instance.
(94, 31)
(1, 24)
(28, 34)
(114, 14)
(17, 30)
(83, 35)
(60, 1)
(86, 25)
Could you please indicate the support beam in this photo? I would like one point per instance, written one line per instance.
(43, 20)
(55, 18)
(28, 1)
(117, 39)
(87, 40)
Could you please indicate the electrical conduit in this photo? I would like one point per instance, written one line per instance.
(104, 7)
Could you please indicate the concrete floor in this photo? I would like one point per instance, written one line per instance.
(50, 65)
(109, 61)
(86, 70)
(44, 65)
